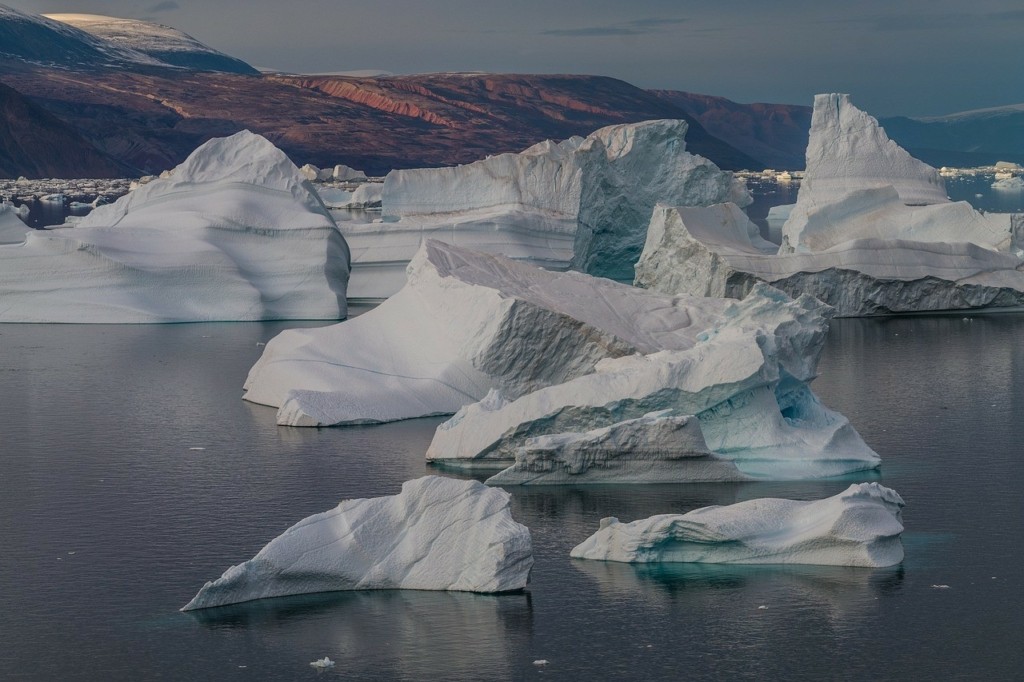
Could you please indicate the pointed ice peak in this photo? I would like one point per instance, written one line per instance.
(848, 150)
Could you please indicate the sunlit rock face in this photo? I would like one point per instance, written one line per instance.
(234, 233)
(859, 527)
(871, 233)
(437, 534)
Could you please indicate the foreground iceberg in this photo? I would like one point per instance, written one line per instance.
(437, 534)
(858, 527)
(13, 229)
(518, 352)
(234, 233)
(872, 232)
(741, 377)
(464, 323)
(583, 202)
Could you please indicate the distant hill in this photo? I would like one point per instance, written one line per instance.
(969, 138)
(37, 144)
(163, 43)
(774, 133)
(152, 119)
(87, 42)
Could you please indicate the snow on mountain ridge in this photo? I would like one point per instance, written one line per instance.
(158, 41)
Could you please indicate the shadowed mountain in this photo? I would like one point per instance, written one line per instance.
(970, 138)
(37, 144)
(775, 133)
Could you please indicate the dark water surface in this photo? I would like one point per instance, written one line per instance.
(110, 521)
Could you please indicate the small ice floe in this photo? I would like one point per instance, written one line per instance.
(197, 448)
(260, 343)
(762, 607)
(323, 663)
(940, 587)
(541, 661)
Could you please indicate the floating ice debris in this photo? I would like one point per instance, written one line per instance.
(437, 534)
(762, 607)
(940, 587)
(540, 661)
(197, 448)
(858, 527)
(324, 662)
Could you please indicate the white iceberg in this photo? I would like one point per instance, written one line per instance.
(741, 369)
(13, 229)
(1013, 184)
(859, 527)
(345, 173)
(583, 202)
(465, 323)
(872, 232)
(437, 534)
(234, 234)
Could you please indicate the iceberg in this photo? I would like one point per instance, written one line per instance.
(347, 174)
(859, 527)
(13, 229)
(437, 534)
(1012, 184)
(582, 203)
(464, 323)
(235, 233)
(871, 233)
(742, 376)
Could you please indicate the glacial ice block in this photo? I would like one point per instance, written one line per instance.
(744, 378)
(13, 229)
(465, 323)
(859, 527)
(871, 233)
(582, 202)
(437, 534)
(234, 233)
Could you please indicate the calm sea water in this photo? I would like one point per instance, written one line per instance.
(111, 519)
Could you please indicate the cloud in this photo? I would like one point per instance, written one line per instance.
(164, 6)
(627, 28)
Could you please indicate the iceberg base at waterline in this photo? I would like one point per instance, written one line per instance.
(437, 534)
(859, 527)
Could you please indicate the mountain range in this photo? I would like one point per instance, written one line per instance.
(142, 96)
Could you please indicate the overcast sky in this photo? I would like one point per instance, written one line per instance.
(913, 57)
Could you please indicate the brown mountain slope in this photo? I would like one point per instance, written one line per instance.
(153, 120)
(37, 144)
(774, 133)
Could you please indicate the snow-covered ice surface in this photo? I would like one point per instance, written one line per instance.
(437, 534)
(583, 202)
(859, 527)
(869, 234)
(235, 233)
(168, 45)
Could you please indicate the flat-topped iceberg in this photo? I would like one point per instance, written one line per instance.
(437, 534)
(464, 323)
(234, 233)
(871, 233)
(859, 527)
(582, 202)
